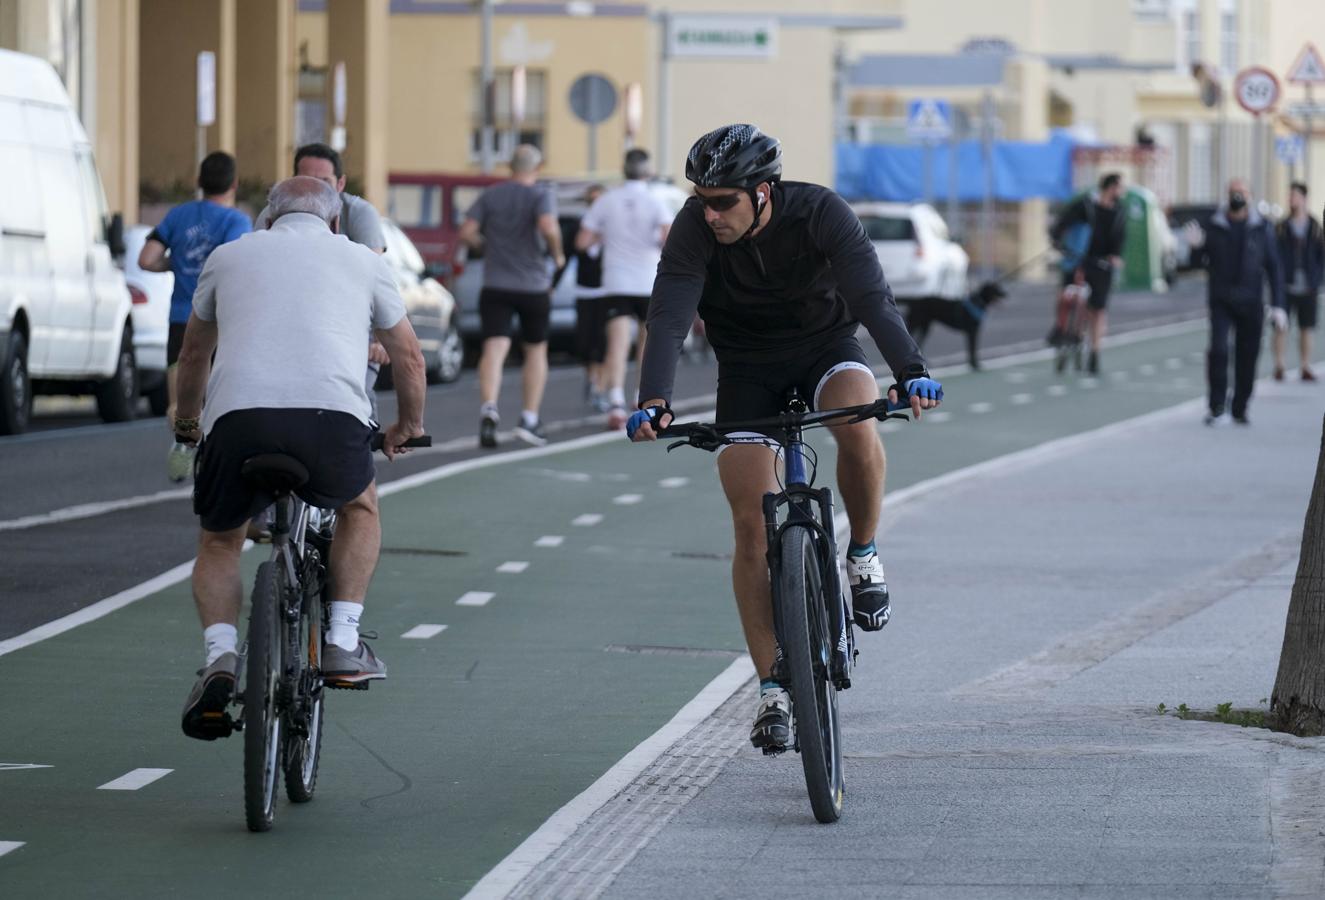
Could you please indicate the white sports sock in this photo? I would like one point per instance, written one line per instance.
(489, 409)
(344, 625)
(529, 418)
(218, 640)
(616, 396)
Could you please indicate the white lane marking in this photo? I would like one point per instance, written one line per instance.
(88, 510)
(1021, 399)
(423, 632)
(1147, 369)
(981, 407)
(554, 832)
(1056, 390)
(559, 475)
(1173, 362)
(513, 567)
(14, 767)
(475, 598)
(1016, 377)
(550, 540)
(1119, 376)
(673, 482)
(627, 499)
(9, 846)
(934, 418)
(1090, 382)
(132, 781)
(586, 520)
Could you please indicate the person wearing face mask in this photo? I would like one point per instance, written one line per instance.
(1240, 256)
(1302, 249)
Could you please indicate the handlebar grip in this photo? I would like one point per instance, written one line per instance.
(379, 439)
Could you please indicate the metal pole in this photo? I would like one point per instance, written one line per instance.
(201, 153)
(1306, 142)
(953, 144)
(486, 93)
(1257, 164)
(987, 202)
(928, 151)
(593, 149)
(664, 96)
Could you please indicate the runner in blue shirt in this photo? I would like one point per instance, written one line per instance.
(190, 232)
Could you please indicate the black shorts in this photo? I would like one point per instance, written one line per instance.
(627, 305)
(759, 390)
(333, 446)
(496, 307)
(1099, 275)
(1304, 308)
(174, 340)
(591, 329)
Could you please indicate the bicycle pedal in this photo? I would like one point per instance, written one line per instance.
(775, 751)
(347, 685)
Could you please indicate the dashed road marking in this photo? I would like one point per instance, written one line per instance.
(132, 781)
(9, 846)
(423, 632)
(475, 598)
(1056, 390)
(587, 519)
(673, 482)
(550, 540)
(1147, 369)
(982, 407)
(1118, 376)
(1021, 399)
(936, 417)
(10, 767)
(513, 567)
(627, 499)
(1173, 362)
(1016, 377)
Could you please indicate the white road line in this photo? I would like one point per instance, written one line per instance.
(673, 482)
(587, 519)
(1173, 362)
(475, 598)
(982, 407)
(1147, 369)
(1016, 377)
(1119, 375)
(1021, 399)
(1089, 383)
(9, 846)
(132, 781)
(554, 832)
(1056, 390)
(550, 540)
(513, 567)
(88, 510)
(423, 632)
(936, 417)
(627, 499)
(14, 767)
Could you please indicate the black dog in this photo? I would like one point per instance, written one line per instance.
(963, 315)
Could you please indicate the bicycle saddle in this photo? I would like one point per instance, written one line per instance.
(274, 473)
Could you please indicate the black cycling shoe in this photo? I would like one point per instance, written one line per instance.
(772, 729)
(869, 592)
(206, 716)
(487, 432)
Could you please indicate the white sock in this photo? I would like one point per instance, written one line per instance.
(489, 409)
(218, 640)
(617, 396)
(529, 418)
(344, 630)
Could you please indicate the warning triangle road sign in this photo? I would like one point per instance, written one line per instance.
(1309, 68)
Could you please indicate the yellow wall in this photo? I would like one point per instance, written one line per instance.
(115, 140)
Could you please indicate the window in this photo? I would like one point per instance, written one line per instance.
(1228, 36)
(1188, 21)
(94, 202)
(415, 205)
(890, 228)
(507, 135)
(1200, 163)
(1152, 10)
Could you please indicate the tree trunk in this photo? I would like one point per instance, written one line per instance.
(1298, 702)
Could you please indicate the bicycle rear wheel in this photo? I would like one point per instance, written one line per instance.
(303, 744)
(262, 715)
(807, 646)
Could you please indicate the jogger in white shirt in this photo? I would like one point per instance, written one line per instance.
(631, 223)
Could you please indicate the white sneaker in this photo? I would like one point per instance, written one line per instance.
(772, 729)
(179, 461)
(870, 605)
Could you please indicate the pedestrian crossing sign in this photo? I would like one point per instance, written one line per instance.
(1308, 68)
(928, 119)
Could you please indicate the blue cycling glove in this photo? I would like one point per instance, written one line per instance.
(639, 417)
(925, 388)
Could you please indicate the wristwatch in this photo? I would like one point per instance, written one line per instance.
(185, 425)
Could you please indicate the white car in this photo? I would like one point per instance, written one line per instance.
(150, 293)
(430, 307)
(919, 259)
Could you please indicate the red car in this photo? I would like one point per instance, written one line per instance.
(429, 208)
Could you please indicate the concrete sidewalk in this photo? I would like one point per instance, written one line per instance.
(1002, 739)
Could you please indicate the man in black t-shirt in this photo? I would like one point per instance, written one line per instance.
(782, 275)
(1102, 212)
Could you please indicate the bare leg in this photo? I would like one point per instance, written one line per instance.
(355, 548)
(535, 375)
(1098, 323)
(861, 463)
(217, 589)
(1279, 340)
(170, 396)
(618, 351)
(489, 368)
(1304, 348)
(747, 473)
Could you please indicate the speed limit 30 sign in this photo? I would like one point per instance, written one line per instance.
(1256, 89)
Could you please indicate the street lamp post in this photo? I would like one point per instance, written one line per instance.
(486, 133)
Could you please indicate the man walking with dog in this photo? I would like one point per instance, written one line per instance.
(1090, 231)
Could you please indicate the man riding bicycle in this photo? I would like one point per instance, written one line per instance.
(782, 275)
(286, 311)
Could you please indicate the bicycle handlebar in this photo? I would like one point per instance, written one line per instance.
(712, 435)
(379, 439)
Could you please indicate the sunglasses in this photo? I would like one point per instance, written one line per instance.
(721, 202)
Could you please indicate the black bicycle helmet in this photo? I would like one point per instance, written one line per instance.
(739, 156)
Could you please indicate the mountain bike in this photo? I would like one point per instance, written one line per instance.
(811, 616)
(281, 697)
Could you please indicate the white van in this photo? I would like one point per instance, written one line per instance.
(65, 324)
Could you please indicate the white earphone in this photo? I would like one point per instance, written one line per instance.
(762, 198)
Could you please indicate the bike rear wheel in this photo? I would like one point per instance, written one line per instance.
(807, 647)
(262, 714)
(303, 745)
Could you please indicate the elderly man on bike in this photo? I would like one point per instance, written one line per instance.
(782, 275)
(286, 311)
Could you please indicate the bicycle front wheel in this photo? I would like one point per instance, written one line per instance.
(262, 715)
(303, 741)
(807, 646)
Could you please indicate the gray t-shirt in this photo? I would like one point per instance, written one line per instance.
(514, 254)
(359, 222)
(292, 305)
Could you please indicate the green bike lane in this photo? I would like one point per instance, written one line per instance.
(487, 728)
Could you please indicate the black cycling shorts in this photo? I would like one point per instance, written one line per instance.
(1304, 308)
(1099, 276)
(174, 341)
(333, 446)
(627, 305)
(591, 329)
(759, 390)
(497, 307)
